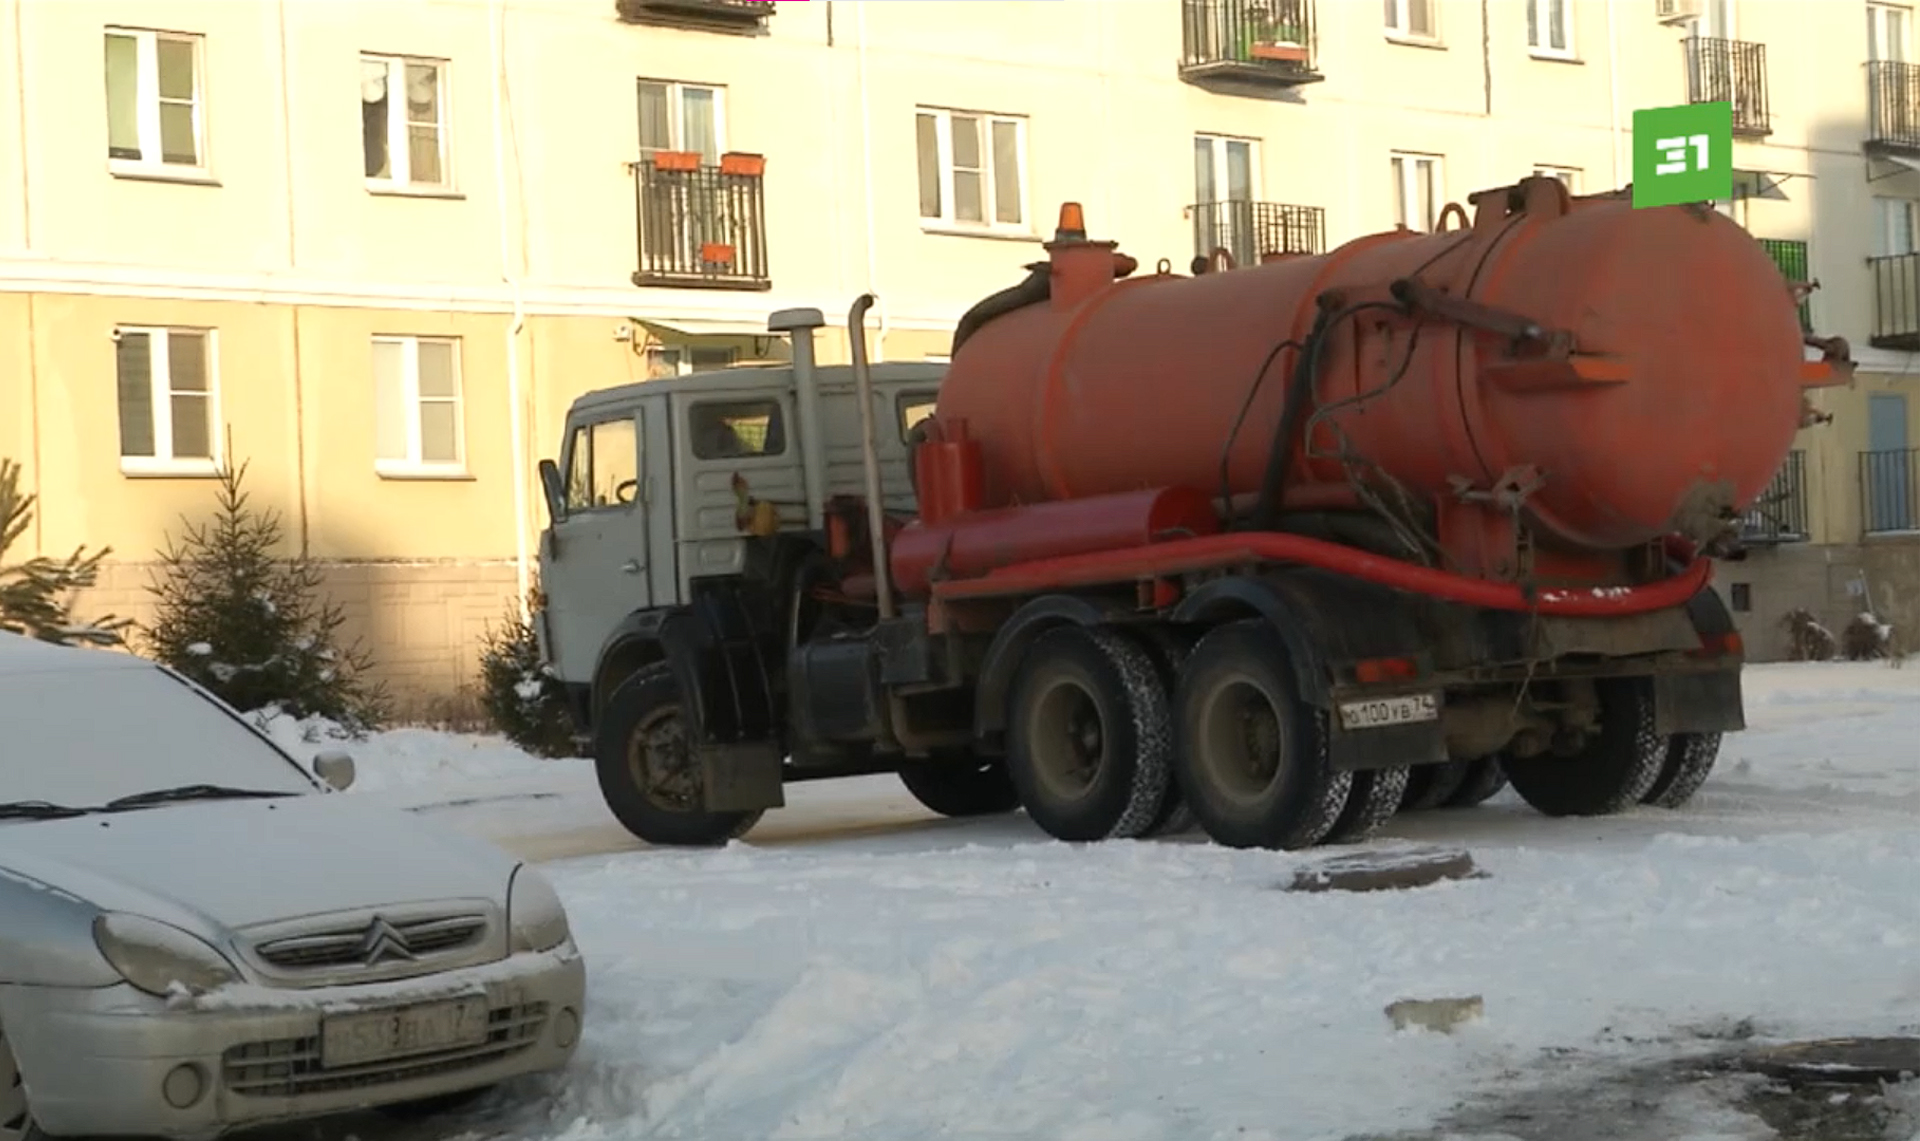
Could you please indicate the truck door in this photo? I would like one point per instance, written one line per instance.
(593, 560)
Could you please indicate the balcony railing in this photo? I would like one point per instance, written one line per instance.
(1887, 491)
(1780, 514)
(701, 226)
(1267, 42)
(1893, 106)
(717, 15)
(1249, 230)
(1896, 302)
(1731, 71)
(1791, 257)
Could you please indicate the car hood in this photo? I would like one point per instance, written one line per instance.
(236, 863)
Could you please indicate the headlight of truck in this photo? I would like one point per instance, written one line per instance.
(534, 913)
(154, 956)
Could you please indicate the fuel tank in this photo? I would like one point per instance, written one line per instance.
(1624, 374)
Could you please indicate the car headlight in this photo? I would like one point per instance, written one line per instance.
(155, 956)
(534, 913)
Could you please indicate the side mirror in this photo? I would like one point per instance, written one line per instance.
(555, 490)
(336, 769)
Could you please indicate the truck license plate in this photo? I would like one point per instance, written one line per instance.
(356, 1039)
(1376, 712)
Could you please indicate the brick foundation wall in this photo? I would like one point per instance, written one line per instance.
(1820, 577)
(422, 622)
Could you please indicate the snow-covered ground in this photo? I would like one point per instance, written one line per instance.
(859, 969)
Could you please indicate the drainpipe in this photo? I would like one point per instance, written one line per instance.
(1613, 91)
(866, 172)
(522, 574)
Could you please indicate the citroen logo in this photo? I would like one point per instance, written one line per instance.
(384, 941)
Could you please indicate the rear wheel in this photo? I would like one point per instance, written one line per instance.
(643, 755)
(1690, 758)
(1252, 760)
(1088, 736)
(1432, 785)
(959, 788)
(1371, 802)
(1613, 769)
(1484, 778)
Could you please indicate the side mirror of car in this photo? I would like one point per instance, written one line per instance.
(336, 769)
(554, 489)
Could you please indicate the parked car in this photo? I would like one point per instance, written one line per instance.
(196, 934)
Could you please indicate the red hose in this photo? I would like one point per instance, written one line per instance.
(1211, 552)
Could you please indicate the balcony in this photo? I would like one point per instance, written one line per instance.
(746, 16)
(1886, 491)
(1260, 43)
(1780, 514)
(1896, 302)
(1791, 257)
(1734, 72)
(701, 225)
(1893, 108)
(1250, 230)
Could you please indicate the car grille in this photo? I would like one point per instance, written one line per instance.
(290, 1067)
(367, 944)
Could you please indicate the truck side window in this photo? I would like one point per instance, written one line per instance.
(603, 465)
(736, 429)
(915, 407)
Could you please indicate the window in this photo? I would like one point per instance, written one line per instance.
(1410, 18)
(913, 408)
(417, 416)
(1888, 30)
(1568, 175)
(1896, 222)
(404, 146)
(1417, 190)
(1223, 169)
(1715, 21)
(973, 169)
(682, 117)
(736, 429)
(679, 360)
(1550, 28)
(603, 465)
(155, 116)
(168, 399)
(1742, 597)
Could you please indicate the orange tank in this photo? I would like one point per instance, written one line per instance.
(1623, 374)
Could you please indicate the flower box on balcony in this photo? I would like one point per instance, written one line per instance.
(1289, 53)
(676, 160)
(741, 163)
(716, 253)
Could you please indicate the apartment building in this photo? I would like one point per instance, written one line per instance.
(375, 247)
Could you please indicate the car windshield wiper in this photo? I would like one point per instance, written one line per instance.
(39, 810)
(186, 792)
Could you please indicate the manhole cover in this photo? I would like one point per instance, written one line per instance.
(1839, 1060)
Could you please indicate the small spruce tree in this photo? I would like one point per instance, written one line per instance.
(253, 627)
(523, 701)
(36, 596)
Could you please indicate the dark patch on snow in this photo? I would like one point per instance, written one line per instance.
(1386, 871)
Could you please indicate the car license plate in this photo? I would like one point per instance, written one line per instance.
(1376, 712)
(356, 1039)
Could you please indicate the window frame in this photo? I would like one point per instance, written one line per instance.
(160, 403)
(1878, 42)
(1399, 27)
(908, 399)
(717, 400)
(581, 431)
(414, 466)
(1550, 171)
(399, 140)
(1539, 22)
(1403, 166)
(1219, 147)
(146, 105)
(676, 114)
(945, 221)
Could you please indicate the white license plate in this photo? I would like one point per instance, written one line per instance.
(1378, 711)
(356, 1039)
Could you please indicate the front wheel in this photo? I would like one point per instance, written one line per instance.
(961, 788)
(643, 755)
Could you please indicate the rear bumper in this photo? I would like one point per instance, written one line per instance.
(116, 1061)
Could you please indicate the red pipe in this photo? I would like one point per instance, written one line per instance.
(1210, 552)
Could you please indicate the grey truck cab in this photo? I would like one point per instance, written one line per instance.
(671, 592)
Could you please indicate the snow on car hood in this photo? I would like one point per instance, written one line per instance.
(235, 863)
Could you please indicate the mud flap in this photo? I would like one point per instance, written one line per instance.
(1698, 703)
(742, 776)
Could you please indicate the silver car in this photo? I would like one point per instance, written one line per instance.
(196, 934)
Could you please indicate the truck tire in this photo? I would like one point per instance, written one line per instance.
(1432, 785)
(1371, 802)
(1089, 741)
(1169, 649)
(646, 772)
(1485, 777)
(1612, 771)
(961, 788)
(1252, 757)
(1690, 757)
